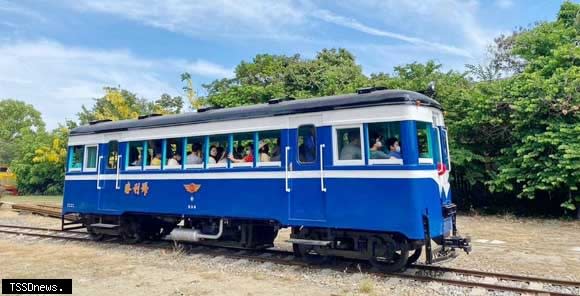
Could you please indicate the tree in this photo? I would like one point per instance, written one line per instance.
(544, 120)
(18, 120)
(194, 101)
(119, 104)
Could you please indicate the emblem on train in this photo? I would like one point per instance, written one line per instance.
(192, 187)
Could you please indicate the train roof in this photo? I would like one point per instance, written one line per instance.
(275, 107)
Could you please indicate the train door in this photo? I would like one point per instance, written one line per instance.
(109, 183)
(307, 192)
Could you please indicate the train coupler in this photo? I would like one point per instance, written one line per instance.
(457, 242)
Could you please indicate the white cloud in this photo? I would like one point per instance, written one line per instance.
(57, 79)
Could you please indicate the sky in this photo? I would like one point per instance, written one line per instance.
(58, 55)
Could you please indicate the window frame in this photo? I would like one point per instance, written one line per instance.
(231, 144)
(425, 160)
(198, 166)
(315, 145)
(85, 158)
(336, 153)
(217, 165)
(147, 165)
(257, 156)
(128, 166)
(388, 161)
(109, 154)
(165, 152)
(71, 157)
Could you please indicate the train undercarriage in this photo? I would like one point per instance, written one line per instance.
(387, 252)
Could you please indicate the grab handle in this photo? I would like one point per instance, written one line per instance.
(118, 170)
(322, 187)
(286, 168)
(99, 173)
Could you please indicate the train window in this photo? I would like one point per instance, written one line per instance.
(113, 156)
(75, 161)
(153, 155)
(307, 143)
(269, 148)
(384, 143)
(135, 157)
(218, 151)
(194, 149)
(242, 154)
(90, 161)
(347, 143)
(173, 151)
(425, 142)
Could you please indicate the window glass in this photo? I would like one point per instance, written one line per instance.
(424, 140)
(76, 157)
(348, 141)
(384, 140)
(135, 154)
(243, 149)
(91, 157)
(269, 146)
(113, 155)
(194, 150)
(307, 144)
(154, 154)
(173, 151)
(218, 150)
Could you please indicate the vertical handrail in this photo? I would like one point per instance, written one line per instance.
(118, 170)
(322, 187)
(286, 168)
(99, 173)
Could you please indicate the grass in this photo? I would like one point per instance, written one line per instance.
(33, 199)
(366, 286)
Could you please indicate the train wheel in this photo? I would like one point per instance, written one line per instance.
(131, 233)
(310, 254)
(388, 255)
(416, 255)
(95, 236)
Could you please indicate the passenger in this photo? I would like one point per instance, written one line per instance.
(264, 152)
(222, 155)
(213, 155)
(248, 158)
(175, 161)
(377, 148)
(195, 156)
(394, 148)
(352, 149)
(138, 161)
(156, 161)
(276, 151)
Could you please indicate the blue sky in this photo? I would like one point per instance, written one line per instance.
(57, 55)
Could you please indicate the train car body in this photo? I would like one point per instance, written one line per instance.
(321, 174)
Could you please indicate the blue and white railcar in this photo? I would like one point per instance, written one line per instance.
(320, 166)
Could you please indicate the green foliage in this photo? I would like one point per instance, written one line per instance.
(18, 120)
(119, 104)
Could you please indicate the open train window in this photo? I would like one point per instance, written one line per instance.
(194, 151)
(134, 156)
(425, 142)
(269, 150)
(384, 143)
(153, 154)
(173, 151)
(307, 143)
(90, 158)
(348, 145)
(113, 156)
(243, 150)
(76, 157)
(217, 151)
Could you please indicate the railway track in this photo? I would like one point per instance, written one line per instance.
(491, 281)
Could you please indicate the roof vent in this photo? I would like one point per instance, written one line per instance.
(366, 90)
(150, 115)
(280, 100)
(208, 108)
(99, 121)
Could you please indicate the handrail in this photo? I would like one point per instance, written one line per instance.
(286, 168)
(322, 187)
(118, 170)
(99, 173)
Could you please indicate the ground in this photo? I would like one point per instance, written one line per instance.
(548, 248)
